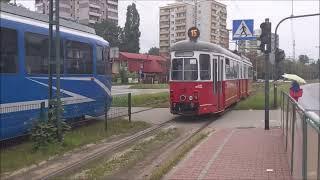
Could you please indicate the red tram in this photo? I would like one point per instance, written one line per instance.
(206, 78)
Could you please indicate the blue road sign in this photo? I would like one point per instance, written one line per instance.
(243, 29)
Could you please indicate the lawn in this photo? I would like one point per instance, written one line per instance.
(149, 86)
(143, 100)
(256, 99)
(22, 155)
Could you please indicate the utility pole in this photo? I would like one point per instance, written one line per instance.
(58, 68)
(195, 12)
(265, 47)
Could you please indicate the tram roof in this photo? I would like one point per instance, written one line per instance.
(19, 11)
(187, 45)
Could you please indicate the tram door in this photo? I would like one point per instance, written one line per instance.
(217, 80)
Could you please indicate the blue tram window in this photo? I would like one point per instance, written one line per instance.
(101, 63)
(37, 55)
(8, 51)
(78, 58)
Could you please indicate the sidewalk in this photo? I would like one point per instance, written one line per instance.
(236, 152)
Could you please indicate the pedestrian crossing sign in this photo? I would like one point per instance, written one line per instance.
(243, 30)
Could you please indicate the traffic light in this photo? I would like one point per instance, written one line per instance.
(265, 37)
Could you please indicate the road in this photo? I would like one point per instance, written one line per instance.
(116, 90)
(310, 97)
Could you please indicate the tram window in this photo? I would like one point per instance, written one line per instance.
(177, 69)
(250, 73)
(100, 64)
(78, 58)
(228, 69)
(190, 69)
(205, 67)
(184, 54)
(8, 51)
(37, 55)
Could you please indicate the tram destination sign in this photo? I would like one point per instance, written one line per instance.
(193, 33)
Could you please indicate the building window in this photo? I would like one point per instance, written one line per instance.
(8, 51)
(78, 58)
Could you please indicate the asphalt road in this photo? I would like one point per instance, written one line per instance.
(310, 97)
(116, 90)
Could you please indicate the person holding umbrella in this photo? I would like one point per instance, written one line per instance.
(295, 90)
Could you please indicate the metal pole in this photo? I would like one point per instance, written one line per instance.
(292, 134)
(304, 147)
(58, 69)
(287, 122)
(275, 96)
(129, 106)
(266, 89)
(50, 50)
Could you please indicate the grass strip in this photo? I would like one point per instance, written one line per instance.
(142, 100)
(22, 155)
(127, 158)
(256, 100)
(165, 167)
(149, 86)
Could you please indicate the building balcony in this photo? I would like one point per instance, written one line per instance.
(180, 30)
(180, 24)
(164, 32)
(113, 10)
(164, 38)
(113, 17)
(223, 23)
(180, 37)
(164, 19)
(94, 5)
(94, 14)
(112, 2)
(164, 25)
(164, 13)
(181, 17)
(163, 44)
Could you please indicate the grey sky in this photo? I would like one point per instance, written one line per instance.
(305, 31)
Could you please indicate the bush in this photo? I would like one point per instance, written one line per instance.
(45, 131)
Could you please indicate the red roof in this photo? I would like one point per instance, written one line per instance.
(145, 57)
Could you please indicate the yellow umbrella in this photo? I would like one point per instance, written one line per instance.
(294, 77)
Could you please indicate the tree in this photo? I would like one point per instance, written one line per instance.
(110, 32)
(304, 59)
(154, 51)
(131, 33)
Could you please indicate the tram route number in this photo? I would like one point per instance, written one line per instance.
(193, 33)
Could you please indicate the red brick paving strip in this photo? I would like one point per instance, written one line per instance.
(237, 154)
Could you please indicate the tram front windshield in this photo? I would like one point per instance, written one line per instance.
(184, 69)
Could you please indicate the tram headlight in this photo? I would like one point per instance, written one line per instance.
(190, 98)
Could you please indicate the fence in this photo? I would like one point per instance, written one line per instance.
(301, 131)
(17, 120)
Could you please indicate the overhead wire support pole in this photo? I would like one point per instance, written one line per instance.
(50, 51)
(58, 69)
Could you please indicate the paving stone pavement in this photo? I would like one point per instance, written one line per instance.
(236, 153)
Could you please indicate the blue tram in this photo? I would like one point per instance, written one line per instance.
(85, 70)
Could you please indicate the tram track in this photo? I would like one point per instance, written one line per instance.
(51, 170)
(64, 165)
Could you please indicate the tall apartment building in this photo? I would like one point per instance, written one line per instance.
(84, 11)
(209, 16)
